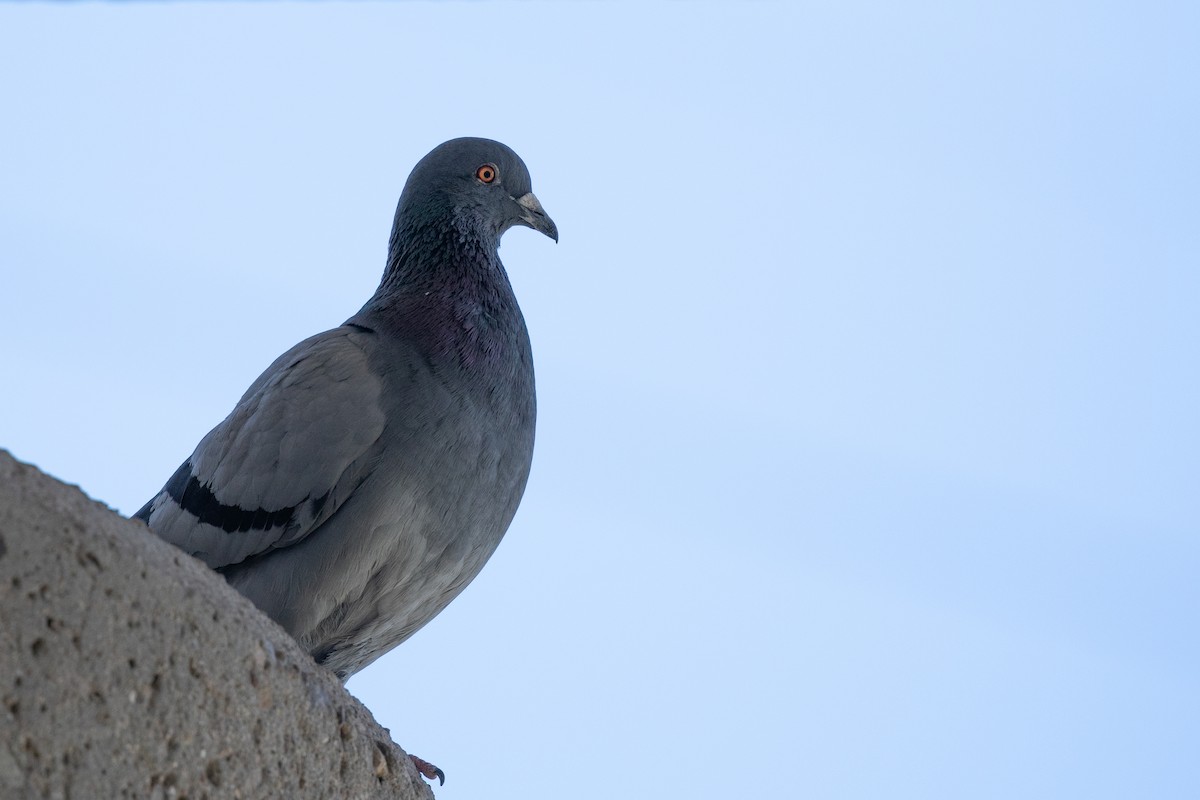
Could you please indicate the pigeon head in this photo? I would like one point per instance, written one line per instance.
(477, 185)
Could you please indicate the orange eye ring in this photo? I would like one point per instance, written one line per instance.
(487, 173)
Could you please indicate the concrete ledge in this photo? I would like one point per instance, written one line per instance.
(128, 669)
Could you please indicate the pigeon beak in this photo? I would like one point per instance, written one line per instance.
(533, 215)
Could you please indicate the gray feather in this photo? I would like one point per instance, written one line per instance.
(367, 475)
(300, 438)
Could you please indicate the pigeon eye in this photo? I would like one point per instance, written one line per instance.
(487, 173)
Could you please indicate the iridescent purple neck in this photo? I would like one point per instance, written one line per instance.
(446, 291)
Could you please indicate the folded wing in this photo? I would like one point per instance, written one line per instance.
(295, 447)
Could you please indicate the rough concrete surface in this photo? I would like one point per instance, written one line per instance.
(128, 669)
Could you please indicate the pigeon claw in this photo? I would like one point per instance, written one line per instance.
(428, 770)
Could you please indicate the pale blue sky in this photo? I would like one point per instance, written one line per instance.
(868, 445)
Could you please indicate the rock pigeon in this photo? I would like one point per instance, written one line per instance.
(364, 479)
